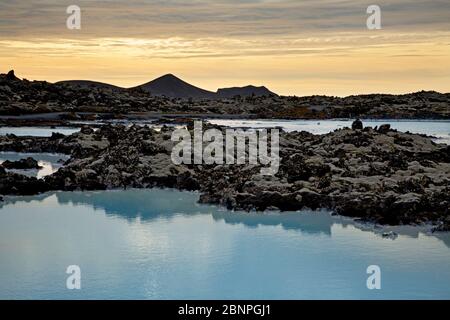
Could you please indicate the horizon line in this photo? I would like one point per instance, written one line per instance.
(280, 95)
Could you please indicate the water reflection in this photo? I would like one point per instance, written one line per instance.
(149, 205)
(307, 221)
(133, 203)
(37, 131)
(160, 244)
(440, 129)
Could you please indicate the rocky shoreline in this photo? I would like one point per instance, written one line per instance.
(72, 102)
(376, 174)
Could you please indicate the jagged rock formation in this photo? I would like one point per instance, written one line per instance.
(379, 175)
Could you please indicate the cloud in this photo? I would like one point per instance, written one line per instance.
(208, 18)
(278, 43)
(184, 48)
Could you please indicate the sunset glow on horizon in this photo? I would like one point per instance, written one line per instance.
(291, 47)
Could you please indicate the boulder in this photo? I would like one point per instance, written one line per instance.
(384, 128)
(57, 136)
(86, 130)
(357, 125)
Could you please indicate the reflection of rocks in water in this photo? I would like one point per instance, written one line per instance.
(444, 237)
(308, 222)
(165, 203)
(11, 200)
(392, 232)
(133, 203)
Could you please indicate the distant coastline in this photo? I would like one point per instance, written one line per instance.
(172, 97)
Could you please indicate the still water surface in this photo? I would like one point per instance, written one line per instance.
(436, 128)
(49, 162)
(160, 244)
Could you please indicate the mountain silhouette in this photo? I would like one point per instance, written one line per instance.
(247, 91)
(173, 87)
(90, 84)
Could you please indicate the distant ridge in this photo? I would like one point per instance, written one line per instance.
(90, 84)
(244, 92)
(173, 87)
(22, 97)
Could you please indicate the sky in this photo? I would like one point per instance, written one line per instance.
(293, 47)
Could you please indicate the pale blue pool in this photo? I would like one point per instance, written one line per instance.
(160, 244)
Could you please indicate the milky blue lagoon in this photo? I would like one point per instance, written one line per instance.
(36, 131)
(161, 244)
(436, 128)
(49, 162)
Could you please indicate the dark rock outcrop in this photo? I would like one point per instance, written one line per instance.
(28, 163)
(384, 128)
(10, 76)
(170, 95)
(387, 177)
(18, 184)
(357, 125)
